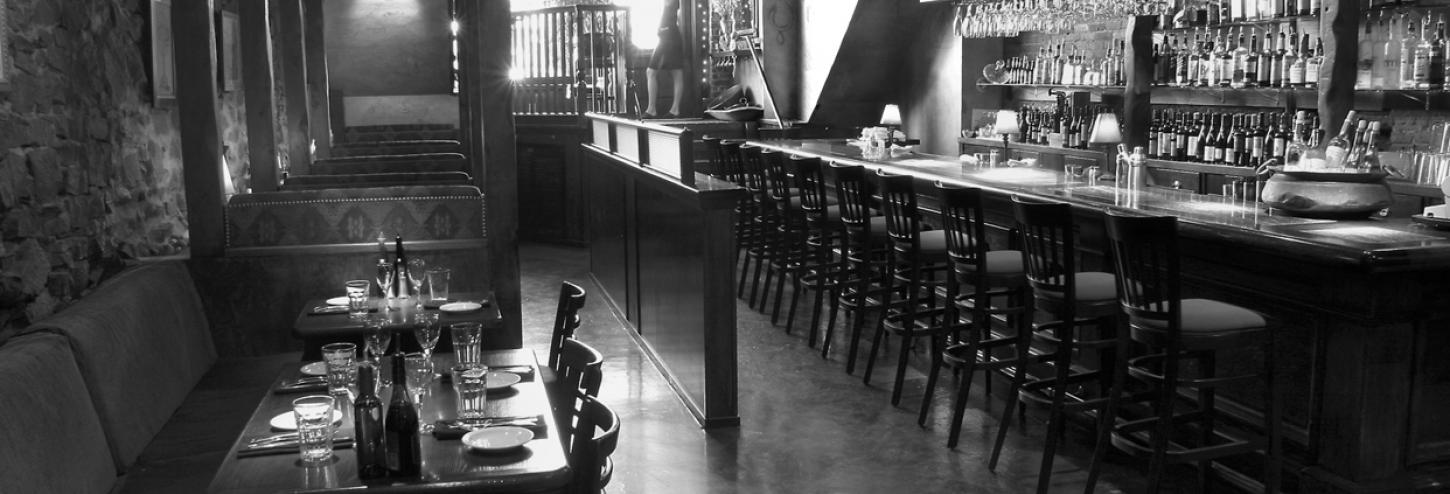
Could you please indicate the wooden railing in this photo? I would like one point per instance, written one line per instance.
(570, 60)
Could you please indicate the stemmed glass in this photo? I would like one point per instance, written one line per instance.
(385, 281)
(417, 272)
(379, 339)
(420, 375)
(426, 330)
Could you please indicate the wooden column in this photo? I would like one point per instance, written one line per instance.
(319, 123)
(1340, 29)
(294, 85)
(257, 80)
(1137, 96)
(486, 32)
(201, 149)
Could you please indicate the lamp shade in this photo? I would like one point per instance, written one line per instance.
(1007, 122)
(1105, 130)
(891, 115)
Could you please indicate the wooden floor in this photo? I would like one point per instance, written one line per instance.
(806, 426)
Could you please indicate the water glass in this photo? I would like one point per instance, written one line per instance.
(357, 299)
(314, 427)
(438, 283)
(341, 362)
(426, 329)
(467, 341)
(470, 382)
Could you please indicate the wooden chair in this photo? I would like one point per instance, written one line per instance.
(1145, 253)
(566, 322)
(595, 439)
(579, 375)
(866, 250)
(820, 267)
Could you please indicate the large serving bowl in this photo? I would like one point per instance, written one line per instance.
(744, 113)
(1326, 194)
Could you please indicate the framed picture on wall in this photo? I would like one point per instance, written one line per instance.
(229, 56)
(163, 52)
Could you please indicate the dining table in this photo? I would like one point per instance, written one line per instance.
(448, 465)
(320, 322)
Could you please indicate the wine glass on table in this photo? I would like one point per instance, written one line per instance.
(385, 281)
(417, 272)
(426, 330)
(379, 338)
(420, 375)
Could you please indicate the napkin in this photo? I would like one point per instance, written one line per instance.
(451, 429)
(300, 387)
(289, 446)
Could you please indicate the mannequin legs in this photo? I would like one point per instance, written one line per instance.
(652, 84)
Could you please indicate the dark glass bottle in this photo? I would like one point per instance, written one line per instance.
(405, 453)
(367, 413)
(400, 269)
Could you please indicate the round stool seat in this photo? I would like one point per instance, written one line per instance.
(1206, 324)
(1091, 286)
(933, 243)
(1000, 262)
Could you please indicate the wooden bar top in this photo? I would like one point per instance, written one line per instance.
(1374, 245)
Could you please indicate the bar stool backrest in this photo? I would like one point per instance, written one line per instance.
(853, 196)
(965, 226)
(810, 181)
(566, 319)
(898, 203)
(1048, 244)
(714, 157)
(1145, 254)
(777, 182)
(731, 163)
(579, 375)
(596, 439)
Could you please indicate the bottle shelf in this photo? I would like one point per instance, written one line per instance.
(1245, 23)
(1196, 167)
(1306, 98)
(1070, 87)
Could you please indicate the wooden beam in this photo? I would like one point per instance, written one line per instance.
(257, 80)
(1137, 96)
(1340, 30)
(486, 32)
(194, 31)
(318, 117)
(294, 85)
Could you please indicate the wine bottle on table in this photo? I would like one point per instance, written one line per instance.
(368, 426)
(400, 429)
(1339, 145)
(400, 269)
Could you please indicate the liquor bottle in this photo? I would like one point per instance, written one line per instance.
(1339, 146)
(1239, 143)
(1364, 66)
(1180, 64)
(1256, 140)
(1280, 138)
(1276, 62)
(1424, 50)
(1225, 56)
(1280, 7)
(1437, 56)
(1205, 137)
(400, 270)
(1407, 56)
(1236, 10)
(367, 413)
(1315, 6)
(1369, 160)
(1192, 138)
(1316, 131)
(1266, 62)
(400, 429)
(1303, 7)
(1153, 134)
(1251, 62)
(1387, 73)
(1293, 64)
(1221, 141)
(1314, 64)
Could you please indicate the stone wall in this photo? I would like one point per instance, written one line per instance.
(90, 164)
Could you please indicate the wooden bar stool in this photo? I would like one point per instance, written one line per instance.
(747, 233)
(1073, 299)
(791, 252)
(766, 244)
(821, 271)
(865, 251)
(1145, 253)
(918, 266)
(985, 275)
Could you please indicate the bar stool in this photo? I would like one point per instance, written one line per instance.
(821, 270)
(765, 243)
(1073, 299)
(918, 264)
(987, 274)
(1145, 253)
(865, 250)
(747, 234)
(792, 254)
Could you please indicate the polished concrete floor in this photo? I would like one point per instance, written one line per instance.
(806, 426)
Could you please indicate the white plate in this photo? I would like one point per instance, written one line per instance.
(501, 438)
(338, 301)
(501, 380)
(460, 307)
(315, 369)
(285, 421)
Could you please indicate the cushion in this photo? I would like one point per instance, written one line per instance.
(142, 342)
(934, 243)
(51, 436)
(1094, 286)
(355, 215)
(1203, 315)
(1004, 262)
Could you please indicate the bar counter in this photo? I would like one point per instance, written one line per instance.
(1361, 308)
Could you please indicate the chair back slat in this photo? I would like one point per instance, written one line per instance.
(714, 157)
(898, 203)
(596, 439)
(731, 163)
(753, 170)
(1047, 243)
(853, 196)
(579, 374)
(566, 319)
(964, 224)
(777, 183)
(1145, 254)
(810, 181)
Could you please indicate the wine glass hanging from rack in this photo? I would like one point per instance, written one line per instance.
(1009, 18)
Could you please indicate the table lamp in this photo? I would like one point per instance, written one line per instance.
(891, 119)
(1006, 124)
(1106, 133)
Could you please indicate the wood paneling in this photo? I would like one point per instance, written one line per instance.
(319, 119)
(201, 149)
(292, 52)
(257, 82)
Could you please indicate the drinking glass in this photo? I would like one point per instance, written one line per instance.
(1074, 172)
(357, 299)
(378, 338)
(467, 341)
(385, 280)
(417, 273)
(341, 362)
(420, 375)
(470, 382)
(425, 329)
(314, 427)
(438, 283)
